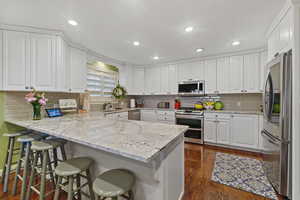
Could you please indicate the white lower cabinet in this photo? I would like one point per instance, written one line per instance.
(244, 131)
(210, 130)
(148, 115)
(236, 131)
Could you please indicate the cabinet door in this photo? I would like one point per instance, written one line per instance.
(236, 72)
(244, 131)
(63, 66)
(172, 79)
(223, 75)
(223, 131)
(16, 60)
(43, 62)
(1, 62)
(263, 70)
(210, 76)
(210, 130)
(139, 78)
(198, 70)
(284, 32)
(148, 115)
(185, 71)
(152, 77)
(164, 80)
(251, 73)
(78, 70)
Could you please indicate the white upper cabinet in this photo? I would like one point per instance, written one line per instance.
(172, 79)
(236, 74)
(1, 62)
(63, 66)
(198, 70)
(164, 80)
(245, 131)
(139, 81)
(78, 70)
(16, 60)
(210, 74)
(264, 69)
(43, 62)
(152, 80)
(252, 69)
(281, 36)
(223, 75)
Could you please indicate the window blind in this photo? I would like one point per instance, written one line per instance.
(100, 82)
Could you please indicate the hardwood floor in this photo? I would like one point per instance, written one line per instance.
(199, 163)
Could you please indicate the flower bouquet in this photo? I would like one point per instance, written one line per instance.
(37, 100)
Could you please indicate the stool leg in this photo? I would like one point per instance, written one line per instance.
(8, 164)
(50, 170)
(5, 162)
(70, 187)
(131, 195)
(63, 152)
(57, 188)
(78, 186)
(43, 175)
(88, 175)
(19, 165)
(32, 175)
(25, 170)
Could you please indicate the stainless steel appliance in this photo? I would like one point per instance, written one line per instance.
(276, 134)
(195, 120)
(134, 115)
(191, 87)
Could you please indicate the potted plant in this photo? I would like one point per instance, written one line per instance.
(37, 100)
(119, 93)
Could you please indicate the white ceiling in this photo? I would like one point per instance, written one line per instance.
(110, 26)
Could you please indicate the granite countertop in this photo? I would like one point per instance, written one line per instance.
(137, 140)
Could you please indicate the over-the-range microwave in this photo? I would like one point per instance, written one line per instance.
(191, 87)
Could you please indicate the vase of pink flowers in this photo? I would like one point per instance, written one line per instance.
(37, 100)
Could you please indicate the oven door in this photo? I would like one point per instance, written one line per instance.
(195, 132)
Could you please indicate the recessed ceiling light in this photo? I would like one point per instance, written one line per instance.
(189, 29)
(155, 57)
(73, 22)
(136, 43)
(236, 43)
(199, 50)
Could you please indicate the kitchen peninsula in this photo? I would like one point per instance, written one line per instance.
(153, 151)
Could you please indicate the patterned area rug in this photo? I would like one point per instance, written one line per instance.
(242, 173)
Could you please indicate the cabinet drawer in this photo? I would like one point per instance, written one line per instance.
(217, 115)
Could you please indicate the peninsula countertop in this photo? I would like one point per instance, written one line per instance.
(137, 140)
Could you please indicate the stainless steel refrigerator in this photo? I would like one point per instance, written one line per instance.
(277, 129)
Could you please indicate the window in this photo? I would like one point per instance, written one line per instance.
(101, 80)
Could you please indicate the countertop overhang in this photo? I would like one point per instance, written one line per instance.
(137, 140)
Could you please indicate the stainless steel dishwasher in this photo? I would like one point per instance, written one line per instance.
(134, 115)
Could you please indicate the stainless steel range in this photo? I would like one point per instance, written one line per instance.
(195, 120)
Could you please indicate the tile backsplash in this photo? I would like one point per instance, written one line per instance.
(16, 106)
(242, 102)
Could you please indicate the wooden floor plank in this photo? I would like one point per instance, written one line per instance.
(199, 163)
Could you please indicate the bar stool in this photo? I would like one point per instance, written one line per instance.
(41, 151)
(24, 162)
(114, 183)
(10, 152)
(73, 169)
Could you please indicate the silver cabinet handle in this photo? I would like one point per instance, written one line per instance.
(26, 87)
(31, 87)
(245, 90)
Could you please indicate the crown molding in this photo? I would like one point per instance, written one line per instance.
(208, 57)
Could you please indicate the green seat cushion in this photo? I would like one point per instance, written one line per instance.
(114, 183)
(73, 166)
(45, 145)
